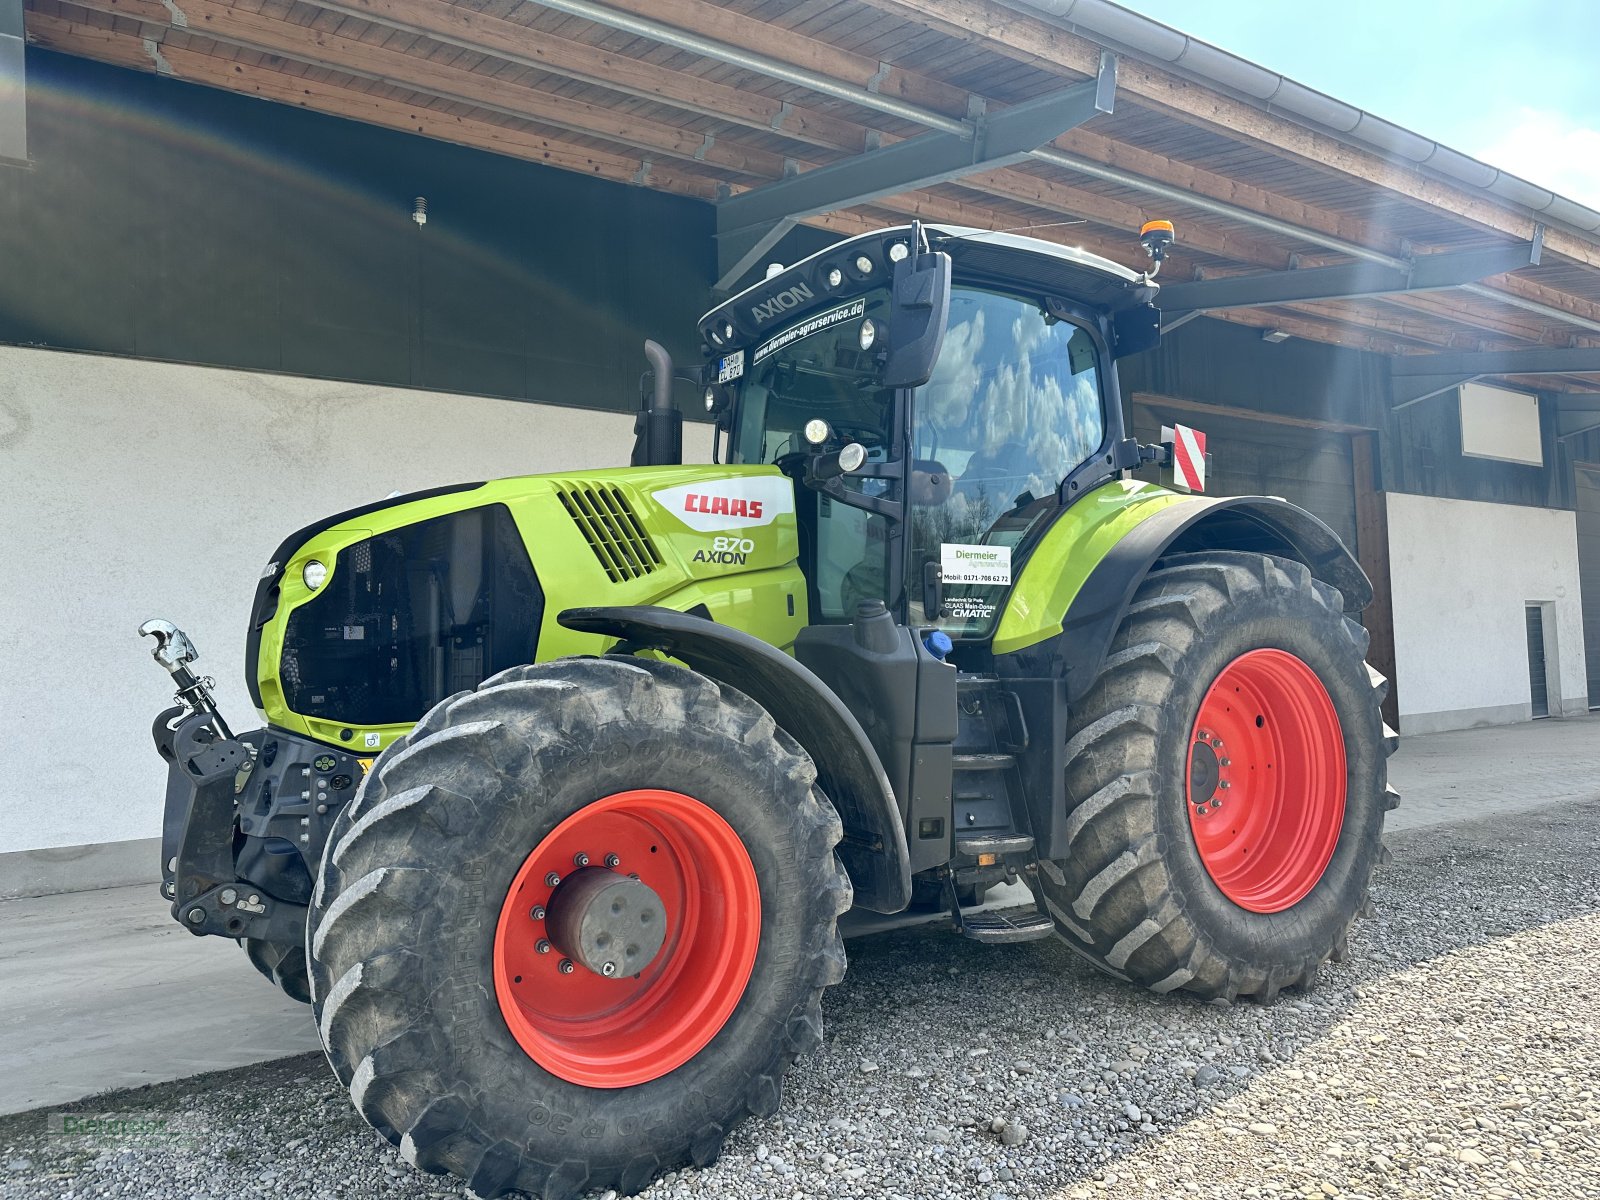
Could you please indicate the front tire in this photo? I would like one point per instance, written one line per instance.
(1226, 783)
(519, 1070)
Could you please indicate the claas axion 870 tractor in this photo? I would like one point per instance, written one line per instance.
(566, 780)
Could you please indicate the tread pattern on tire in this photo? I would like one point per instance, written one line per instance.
(376, 877)
(1112, 897)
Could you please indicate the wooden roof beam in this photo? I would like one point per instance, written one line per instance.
(413, 72)
(708, 40)
(483, 33)
(1032, 40)
(107, 45)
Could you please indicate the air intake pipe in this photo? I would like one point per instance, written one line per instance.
(658, 429)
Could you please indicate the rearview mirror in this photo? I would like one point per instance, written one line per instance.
(919, 308)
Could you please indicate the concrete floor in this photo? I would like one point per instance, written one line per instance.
(101, 990)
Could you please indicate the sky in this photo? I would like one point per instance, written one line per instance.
(1514, 84)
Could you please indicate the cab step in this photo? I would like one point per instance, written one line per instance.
(1009, 843)
(983, 762)
(1002, 929)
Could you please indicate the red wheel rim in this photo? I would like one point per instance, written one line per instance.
(624, 1031)
(1265, 780)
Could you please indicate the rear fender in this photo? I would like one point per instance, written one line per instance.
(1264, 524)
(874, 850)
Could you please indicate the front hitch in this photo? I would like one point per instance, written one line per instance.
(175, 652)
(207, 768)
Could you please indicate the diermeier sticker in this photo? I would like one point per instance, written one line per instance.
(809, 326)
(976, 564)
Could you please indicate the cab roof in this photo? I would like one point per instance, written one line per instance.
(977, 256)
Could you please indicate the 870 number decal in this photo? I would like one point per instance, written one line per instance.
(727, 551)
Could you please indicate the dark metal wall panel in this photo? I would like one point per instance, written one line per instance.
(1309, 467)
(169, 221)
(1222, 363)
(1424, 457)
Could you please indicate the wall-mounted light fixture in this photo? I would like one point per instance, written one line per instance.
(419, 210)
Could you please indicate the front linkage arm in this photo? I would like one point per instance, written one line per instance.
(206, 769)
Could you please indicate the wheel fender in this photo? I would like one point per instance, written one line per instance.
(874, 850)
(1249, 523)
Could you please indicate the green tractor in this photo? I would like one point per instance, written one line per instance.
(567, 780)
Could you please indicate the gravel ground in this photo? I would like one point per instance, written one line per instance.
(1457, 1053)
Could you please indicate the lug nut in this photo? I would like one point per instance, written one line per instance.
(542, 946)
(608, 969)
(1224, 762)
(581, 859)
(1224, 784)
(613, 861)
(537, 912)
(565, 966)
(552, 879)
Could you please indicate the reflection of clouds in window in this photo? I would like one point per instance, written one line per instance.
(1004, 411)
(949, 394)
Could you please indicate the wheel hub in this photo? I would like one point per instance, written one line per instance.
(1204, 772)
(611, 923)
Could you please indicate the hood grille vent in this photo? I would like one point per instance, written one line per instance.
(608, 523)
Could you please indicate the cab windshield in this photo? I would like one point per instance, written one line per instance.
(816, 368)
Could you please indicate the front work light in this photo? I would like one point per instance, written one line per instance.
(869, 334)
(314, 574)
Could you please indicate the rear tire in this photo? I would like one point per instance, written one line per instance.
(1135, 894)
(284, 965)
(428, 869)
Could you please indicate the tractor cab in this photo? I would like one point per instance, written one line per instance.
(938, 395)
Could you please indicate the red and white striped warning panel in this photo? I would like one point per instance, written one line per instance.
(1188, 457)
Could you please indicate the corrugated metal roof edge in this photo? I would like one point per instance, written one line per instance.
(1122, 29)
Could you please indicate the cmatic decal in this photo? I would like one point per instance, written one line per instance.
(809, 326)
(737, 503)
(975, 564)
(968, 608)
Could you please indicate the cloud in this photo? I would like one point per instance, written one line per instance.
(1550, 150)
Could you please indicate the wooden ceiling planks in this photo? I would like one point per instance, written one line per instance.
(521, 78)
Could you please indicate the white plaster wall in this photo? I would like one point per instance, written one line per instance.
(131, 490)
(1461, 573)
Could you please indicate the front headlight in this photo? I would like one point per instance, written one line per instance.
(314, 574)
